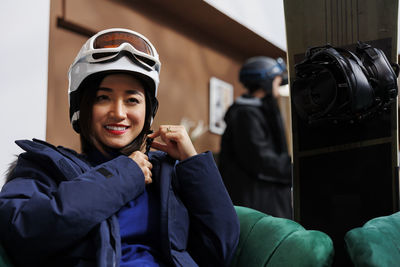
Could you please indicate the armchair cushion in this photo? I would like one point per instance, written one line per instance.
(377, 243)
(4, 260)
(270, 241)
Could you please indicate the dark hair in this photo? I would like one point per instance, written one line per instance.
(89, 90)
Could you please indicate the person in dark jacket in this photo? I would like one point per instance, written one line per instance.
(117, 203)
(254, 160)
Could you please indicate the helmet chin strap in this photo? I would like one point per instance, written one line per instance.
(147, 141)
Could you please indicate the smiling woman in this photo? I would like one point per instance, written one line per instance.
(112, 204)
(118, 112)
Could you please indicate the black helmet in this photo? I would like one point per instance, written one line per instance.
(259, 72)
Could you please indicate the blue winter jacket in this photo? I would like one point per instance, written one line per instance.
(58, 210)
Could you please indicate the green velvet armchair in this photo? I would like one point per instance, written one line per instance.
(4, 261)
(269, 241)
(377, 243)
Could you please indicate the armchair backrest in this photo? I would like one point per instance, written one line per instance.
(377, 243)
(270, 241)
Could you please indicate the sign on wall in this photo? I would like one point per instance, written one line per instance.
(221, 97)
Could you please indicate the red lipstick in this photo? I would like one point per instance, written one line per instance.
(117, 129)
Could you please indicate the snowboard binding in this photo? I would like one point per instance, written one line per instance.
(334, 84)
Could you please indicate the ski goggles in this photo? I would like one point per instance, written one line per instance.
(278, 69)
(109, 45)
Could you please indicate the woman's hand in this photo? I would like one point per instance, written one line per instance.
(176, 141)
(143, 162)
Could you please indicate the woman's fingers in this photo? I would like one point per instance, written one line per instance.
(154, 134)
(159, 146)
(145, 165)
(177, 142)
(148, 177)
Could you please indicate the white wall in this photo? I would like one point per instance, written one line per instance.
(264, 17)
(24, 27)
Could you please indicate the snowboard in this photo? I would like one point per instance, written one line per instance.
(343, 174)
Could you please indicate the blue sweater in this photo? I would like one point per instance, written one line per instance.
(139, 229)
(58, 210)
(139, 223)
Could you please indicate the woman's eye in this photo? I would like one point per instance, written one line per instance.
(101, 98)
(133, 100)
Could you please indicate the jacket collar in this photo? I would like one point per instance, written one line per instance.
(249, 101)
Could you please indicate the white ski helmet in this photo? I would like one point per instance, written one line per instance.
(113, 50)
